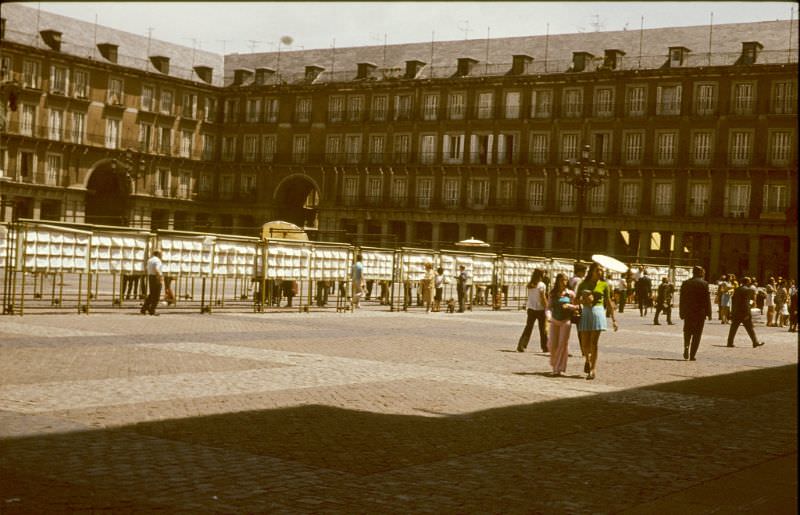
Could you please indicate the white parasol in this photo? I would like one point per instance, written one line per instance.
(610, 263)
(472, 242)
(281, 229)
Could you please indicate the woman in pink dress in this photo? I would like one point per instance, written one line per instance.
(561, 306)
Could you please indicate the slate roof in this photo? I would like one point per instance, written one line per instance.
(78, 39)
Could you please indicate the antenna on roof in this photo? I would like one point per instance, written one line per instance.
(333, 56)
(433, 35)
(546, 42)
(253, 43)
(791, 18)
(641, 36)
(710, 32)
(223, 41)
(385, 42)
(94, 47)
(597, 25)
(149, 36)
(464, 28)
(488, 34)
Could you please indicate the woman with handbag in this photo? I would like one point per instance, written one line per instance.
(595, 296)
(537, 303)
(561, 306)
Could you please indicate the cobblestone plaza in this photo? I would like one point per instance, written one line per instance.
(375, 411)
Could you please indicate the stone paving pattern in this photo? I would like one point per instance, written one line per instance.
(375, 411)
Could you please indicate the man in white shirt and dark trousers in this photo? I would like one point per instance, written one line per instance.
(155, 279)
(537, 303)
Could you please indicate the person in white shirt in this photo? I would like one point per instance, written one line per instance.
(155, 279)
(537, 303)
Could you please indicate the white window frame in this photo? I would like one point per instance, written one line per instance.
(430, 106)
(148, 102)
(403, 105)
(31, 73)
(78, 127)
(379, 109)
(253, 110)
(572, 102)
(775, 198)
(669, 99)
(164, 134)
(424, 192)
(737, 199)
(698, 198)
(666, 148)
(377, 148)
(780, 147)
(453, 148)
(740, 147)
(228, 148)
(166, 101)
(539, 148)
(705, 98)
(113, 133)
(401, 148)
(456, 105)
(597, 199)
(427, 149)
(146, 137)
(541, 103)
(567, 196)
(59, 79)
(477, 193)
(634, 147)
(784, 96)
(187, 140)
(507, 147)
(53, 169)
(80, 83)
(350, 190)
(250, 143)
(374, 189)
(399, 191)
(300, 148)
(630, 197)
(55, 125)
(663, 198)
(512, 105)
(27, 120)
(702, 147)
(209, 146)
(271, 109)
(535, 195)
(303, 109)
(743, 97)
(451, 192)
(355, 108)
(569, 145)
(116, 91)
(353, 148)
(604, 101)
(636, 100)
(485, 105)
(269, 147)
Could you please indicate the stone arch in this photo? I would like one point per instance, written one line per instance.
(297, 200)
(108, 188)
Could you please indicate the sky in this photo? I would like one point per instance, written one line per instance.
(244, 27)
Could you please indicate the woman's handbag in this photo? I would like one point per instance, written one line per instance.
(575, 318)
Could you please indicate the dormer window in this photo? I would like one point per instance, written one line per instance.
(412, 69)
(160, 63)
(750, 51)
(204, 72)
(312, 72)
(365, 70)
(580, 61)
(613, 59)
(678, 56)
(108, 51)
(520, 64)
(263, 75)
(52, 38)
(465, 65)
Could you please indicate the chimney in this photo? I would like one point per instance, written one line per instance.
(108, 51)
(313, 71)
(52, 38)
(365, 70)
(263, 75)
(161, 63)
(204, 72)
(750, 50)
(520, 63)
(678, 56)
(580, 60)
(612, 59)
(240, 75)
(412, 68)
(465, 65)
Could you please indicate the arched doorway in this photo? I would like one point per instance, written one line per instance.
(107, 196)
(297, 201)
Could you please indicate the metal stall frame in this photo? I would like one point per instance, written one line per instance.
(299, 273)
(404, 277)
(520, 280)
(191, 269)
(381, 275)
(244, 274)
(344, 273)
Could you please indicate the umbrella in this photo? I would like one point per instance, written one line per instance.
(610, 263)
(281, 229)
(472, 242)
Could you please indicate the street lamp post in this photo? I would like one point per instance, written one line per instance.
(583, 174)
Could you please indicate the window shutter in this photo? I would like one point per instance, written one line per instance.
(489, 148)
(501, 148)
(473, 148)
(446, 147)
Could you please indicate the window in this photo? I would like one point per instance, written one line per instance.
(456, 106)
(737, 201)
(780, 148)
(78, 126)
(350, 190)
(430, 106)
(566, 197)
(250, 147)
(186, 144)
(52, 169)
(226, 186)
(604, 102)
(204, 184)
(698, 199)
(481, 148)
(740, 147)
(666, 147)
(355, 108)
(541, 103)
(303, 110)
(231, 110)
(115, 91)
(268, 148)
(253, 110)
(300, 148)
(743, 98)
(539, 148)
(512, 105)
(450, 192)
(30, 74)
(427, 153)
(352, 148)
(507, 144)
(27, 120)
(56, 125)
(631, 198)
(27, 165)
(776, 199)
(601, 149)
(636, 100)
(112, 133)
(166, 101)
(573, 103)
(701, 147)
(597, 199)
(402, 148)
(228, 148)
(165, 140)
(189, 106)
(377, 148)
(184, 185)
(162, 180)
(271, 110)
(148, 98)
(336, 109)
(668, 100)
(662, 199)
(399, 191)
(485, 105)
(424, 191)
(535, 195)
(80, 83)
(59, 78)
(210, 109)
(569, 146)
(453, 148)
(505, 193)
(705, 99)
(5, 68)
(209, 146)
(402, 107)
(380, 105)
(333, 149)
(247, 185)
(784, 97)
(634, 147)
(374, 190)
(477, 193)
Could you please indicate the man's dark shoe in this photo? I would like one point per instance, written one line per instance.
(692, 359)
(759, 344)
(656, 323)
(520, 349)
(731, 345)
(686, 353)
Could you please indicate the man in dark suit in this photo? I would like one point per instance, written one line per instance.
(694, 307)
(644, 289)
(740, 312)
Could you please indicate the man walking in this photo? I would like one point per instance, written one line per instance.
(664, 300)
(644, 289)
(461, 287)
(154, 281)
(694, 307)
(357, 278)
(740, 312)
